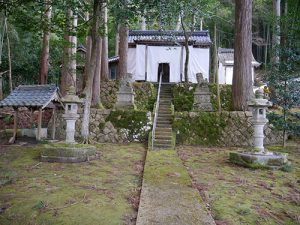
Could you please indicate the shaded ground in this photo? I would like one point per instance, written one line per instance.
(168, 197)
(244, 196)
(104, 191)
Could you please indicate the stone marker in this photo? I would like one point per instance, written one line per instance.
(202, 95)
(259, 156)
(125, 95)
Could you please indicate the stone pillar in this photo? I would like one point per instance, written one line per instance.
(202, 95)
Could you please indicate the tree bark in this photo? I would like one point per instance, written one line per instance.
(123, 50)
(88, 42)
(242, 77)
(143, 24)
(44, 63)
(187, 50)
(117, 41)
(91, 71)
(96, 100)
(65, 72)
(276, 31)
(9, 58)
(178, 24)
(104, 55)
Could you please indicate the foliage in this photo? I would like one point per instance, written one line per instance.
(225, 95)
(283, 76)
(145, 95)
(134, 123)
(203, 128)
(183, 97)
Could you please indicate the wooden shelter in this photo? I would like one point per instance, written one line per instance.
(33, 97)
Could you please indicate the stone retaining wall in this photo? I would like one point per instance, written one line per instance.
(100, 130)
(239, 131)
(231, 129)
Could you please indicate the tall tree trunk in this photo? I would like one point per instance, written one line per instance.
(276, 31)
(43, 77)
(104, 55)
(178, 24)
(117, 41)
(214, 64)
(96, 100)
(242, 75)
(73, 64)
(88, 42)
(91, 71)
(187, 51)
(216, 69)
(143, 24)
(123, 50)
(9, 57)
(69, 61)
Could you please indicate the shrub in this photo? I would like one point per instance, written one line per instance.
(134, 123)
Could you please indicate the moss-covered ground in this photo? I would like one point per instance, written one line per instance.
(238, 195)
(104, 191)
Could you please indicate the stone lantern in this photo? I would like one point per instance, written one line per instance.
(258, 155)
(71, 101)
(259, 120)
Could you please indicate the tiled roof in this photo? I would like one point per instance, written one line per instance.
(226, 57)
(198, 37)
(31, 96)
(113, 59)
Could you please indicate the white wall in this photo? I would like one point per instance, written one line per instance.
(226, 74)
(198, 62)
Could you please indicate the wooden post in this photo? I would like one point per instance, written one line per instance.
(38, 137)
(53, 123)
(13, 138)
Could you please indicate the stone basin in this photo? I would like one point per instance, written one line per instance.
(68, 153)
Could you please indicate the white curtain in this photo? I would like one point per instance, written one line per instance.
(163, 54)
(140, 62)
(131, 61)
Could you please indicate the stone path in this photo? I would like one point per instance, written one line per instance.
(167, 196)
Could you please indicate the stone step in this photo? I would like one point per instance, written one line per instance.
(166, 125)
(166, 138)
(161, 141)
(161, 146)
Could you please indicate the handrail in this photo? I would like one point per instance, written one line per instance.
(156, 110)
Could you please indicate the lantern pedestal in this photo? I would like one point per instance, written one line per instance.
(258, 156)
(69, 151)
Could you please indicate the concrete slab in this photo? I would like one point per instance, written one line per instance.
(168, 197)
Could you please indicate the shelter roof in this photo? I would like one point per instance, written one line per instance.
(226, 57)
(32, 96)
(155, 36)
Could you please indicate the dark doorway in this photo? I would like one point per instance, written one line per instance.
(165, 69)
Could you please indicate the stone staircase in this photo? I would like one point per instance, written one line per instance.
(163, 132)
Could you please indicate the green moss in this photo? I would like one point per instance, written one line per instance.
(135, 122)
(43, 193)
(183, 97)
(225, 95)
(239, 195)
(204, 128)
(145, 95)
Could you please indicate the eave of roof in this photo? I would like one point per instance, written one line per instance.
(170, 36)
(32, 96)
